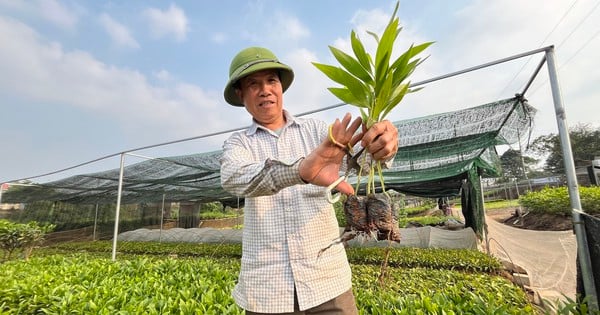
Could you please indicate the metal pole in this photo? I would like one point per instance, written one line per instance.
(485, 226)
(119, 191)
(162, 215)
(95, 223)
(485, 65)
(565, 143)
(518, 192)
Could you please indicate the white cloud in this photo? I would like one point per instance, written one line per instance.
(57, 13)
(65, 16)
(163, 75)
(169, 22)
(219, 37)
(14, 5)
(304, 94)
(290, 27)
(48, 74)
(118, 32)
(373, 20)
(282, 29)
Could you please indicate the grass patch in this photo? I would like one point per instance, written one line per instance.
(501, 204)
(213, 215)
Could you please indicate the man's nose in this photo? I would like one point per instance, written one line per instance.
(264, 89)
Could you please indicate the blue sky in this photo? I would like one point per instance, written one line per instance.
(80, 80)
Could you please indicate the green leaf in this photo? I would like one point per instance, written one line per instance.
(414, 90)
(399, 67)
(351, 65)
(396, 97)
(347, 97)
(374, 36)
(339, 75)
(400, 74)
(415, 50)
(384, 49)
(400, 63)
(380, 75)
(395, 11)
(359, 50)
(382, 99)
(364, 114)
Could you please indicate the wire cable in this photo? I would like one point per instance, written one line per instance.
(570, 58)
(541, 44)
(579, 24)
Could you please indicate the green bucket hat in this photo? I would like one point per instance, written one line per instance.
(251, 60)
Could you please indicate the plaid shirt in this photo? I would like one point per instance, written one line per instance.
(286, 222)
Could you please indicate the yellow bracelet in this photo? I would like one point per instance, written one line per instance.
(346, 148)
(332, 139)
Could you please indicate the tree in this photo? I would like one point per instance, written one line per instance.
(512, 165)
(585, 145)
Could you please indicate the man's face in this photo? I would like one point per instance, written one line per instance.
(262, 95)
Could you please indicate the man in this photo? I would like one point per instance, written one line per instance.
(281, 164)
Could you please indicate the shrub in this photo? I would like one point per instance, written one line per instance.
(423, 220)
(211, 207)
(21, 236)
(339, 213)
(556, 200)
(211, 215)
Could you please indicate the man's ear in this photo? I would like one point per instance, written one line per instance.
(238, 92)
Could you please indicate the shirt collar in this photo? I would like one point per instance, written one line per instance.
(289, 120)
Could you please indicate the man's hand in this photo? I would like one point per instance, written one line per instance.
(322, 166)
(381, 140)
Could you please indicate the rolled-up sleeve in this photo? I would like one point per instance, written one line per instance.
(255, 179)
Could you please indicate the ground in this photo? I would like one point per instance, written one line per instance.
(532, 221)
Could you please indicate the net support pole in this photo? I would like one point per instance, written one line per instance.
(95, 223)
(565, 143)
(119, 192)
(517, 191)
(485, 225)
(162, 216)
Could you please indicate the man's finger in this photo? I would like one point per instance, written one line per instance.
(345, 188)
(355, 125)
(343, 131)
(372, 133)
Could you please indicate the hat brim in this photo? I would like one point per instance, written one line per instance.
(286, 75)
